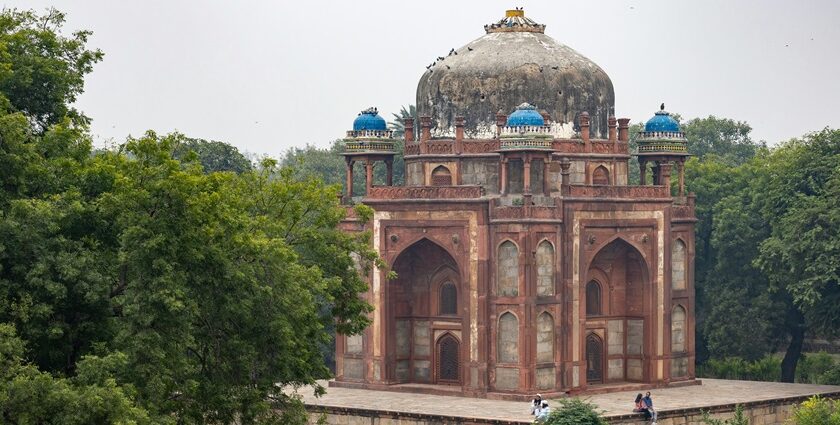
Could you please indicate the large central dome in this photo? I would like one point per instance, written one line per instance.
(514, 63)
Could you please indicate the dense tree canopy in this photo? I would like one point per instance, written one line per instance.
(171, 290)
(42, 70)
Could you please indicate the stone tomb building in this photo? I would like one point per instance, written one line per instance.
(525, 262)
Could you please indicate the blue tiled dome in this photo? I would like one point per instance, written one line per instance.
(525, 114)
(369, 119)
(662, 121)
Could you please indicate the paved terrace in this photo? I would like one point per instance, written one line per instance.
(712, 393)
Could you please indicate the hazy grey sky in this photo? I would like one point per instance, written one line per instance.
(268, 75)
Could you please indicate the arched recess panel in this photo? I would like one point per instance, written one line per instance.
(448, 299)
(678, 266)
(448, 359)
(593, 298)
(508, 339)
(601, 176)
(507, 272)
(545, 338)
(441, 176)
(679, 365)
(594, 359)
(545, 268)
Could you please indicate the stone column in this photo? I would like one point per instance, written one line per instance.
(564, 176)
(425, 133)
(408, 124)
(501, 120)
(665, 175)
(349, 176)
(368, 176)
(503, 176)
(546, 176)
(584, 127)
(611, 123)
(389, 165)
(642, 172)
(681, 167)
(624, 129)
(526, 176)
(459, 134)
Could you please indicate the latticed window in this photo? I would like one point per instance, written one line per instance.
(448, 299)
(601, 176)
(594, 359)
(593, 299)
(448, 359)
(441, 176)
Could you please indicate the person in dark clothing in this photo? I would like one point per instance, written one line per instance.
(640, 406)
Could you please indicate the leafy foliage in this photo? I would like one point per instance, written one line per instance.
(574, 411)
(28, 395)
(737, 419)
(817, 411)
(214, 156)
(148, 287)
(41, 70)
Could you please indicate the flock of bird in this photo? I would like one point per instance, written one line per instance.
(441, 58)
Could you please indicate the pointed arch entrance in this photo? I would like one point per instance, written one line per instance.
(424, 316)
(620, 306)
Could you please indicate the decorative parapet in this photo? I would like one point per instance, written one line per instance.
(370, 134)
(425, 192)
(662, 142)
(368, 146)
(525, 137)
(526, 130)
(632, 192)
(522, 212)
(480, 146)
(369, 141)
(682, 212)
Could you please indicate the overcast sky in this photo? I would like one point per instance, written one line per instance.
(268, 75)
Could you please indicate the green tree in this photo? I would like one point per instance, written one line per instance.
(397, 125)
(41, 70)
(213, 155)
(724, 138)
(28, 395)
(574, 411)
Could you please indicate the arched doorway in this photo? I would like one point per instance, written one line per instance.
(620, 305)
(594, 359)
(448, 360)
(421, 303)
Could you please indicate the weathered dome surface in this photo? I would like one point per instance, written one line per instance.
(525, 114)
(369, 119)
(662, 121)
(514, 62)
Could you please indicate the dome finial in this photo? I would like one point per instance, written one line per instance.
(662, 106)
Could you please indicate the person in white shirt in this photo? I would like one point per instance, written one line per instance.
(543, 412)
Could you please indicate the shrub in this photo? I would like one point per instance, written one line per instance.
(738, 419)
(817, 411)
(574, 411)
(812, 366)
(831, 377)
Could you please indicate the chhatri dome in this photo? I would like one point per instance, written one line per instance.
(369, 119)
(525, 115)
(662, 121)
(514, 62)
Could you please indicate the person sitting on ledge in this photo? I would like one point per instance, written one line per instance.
(649, 404)
(641, 407)
(536, 404)
(543, 412)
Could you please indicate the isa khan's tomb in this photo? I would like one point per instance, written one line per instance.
(524, 262)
